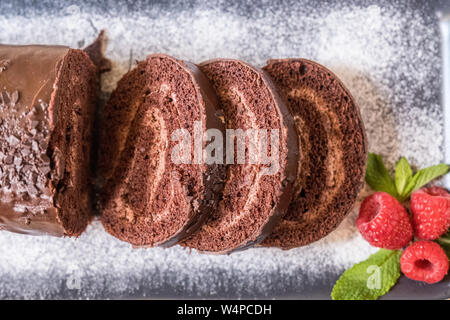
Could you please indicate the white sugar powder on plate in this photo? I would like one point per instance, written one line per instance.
(389, 59)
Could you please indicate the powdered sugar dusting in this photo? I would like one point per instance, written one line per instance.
(388, 56)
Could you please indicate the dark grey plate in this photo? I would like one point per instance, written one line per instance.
(284, 286)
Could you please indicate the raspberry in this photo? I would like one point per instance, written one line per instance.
(384, 222)
(424, 261)
(431, 212)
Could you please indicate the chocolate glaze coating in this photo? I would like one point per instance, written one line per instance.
(29, 74)
(32, 166)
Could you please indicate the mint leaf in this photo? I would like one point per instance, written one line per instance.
(424, 176)
(403, 174)
(369, 279)
(377, 176)
(428, 174)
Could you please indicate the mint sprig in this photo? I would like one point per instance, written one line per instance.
(369, 279)
(423, 176)
(405, 183)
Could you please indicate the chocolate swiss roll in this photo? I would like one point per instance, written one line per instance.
(155, 194)
(254, 197)
(334, 149)
(47, 101)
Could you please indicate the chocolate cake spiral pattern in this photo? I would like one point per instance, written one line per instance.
(149, 198)
(252, 201)
(334, 147)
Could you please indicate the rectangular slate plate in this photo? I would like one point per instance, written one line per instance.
(229, 278)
